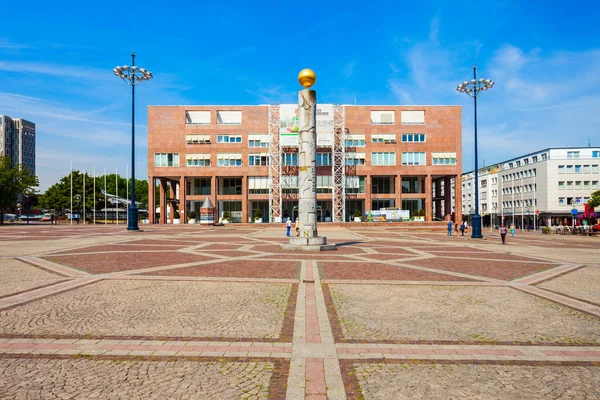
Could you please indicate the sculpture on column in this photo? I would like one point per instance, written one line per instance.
(307, 169)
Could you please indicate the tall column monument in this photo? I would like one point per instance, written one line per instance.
(308, 238)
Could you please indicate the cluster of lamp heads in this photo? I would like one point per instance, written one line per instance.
(475, 85)
(125, 71)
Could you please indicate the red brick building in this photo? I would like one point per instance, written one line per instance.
(244, 158)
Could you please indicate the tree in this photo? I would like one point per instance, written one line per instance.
(594, 201)
(13, 182)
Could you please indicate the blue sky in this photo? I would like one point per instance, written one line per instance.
(56, 61)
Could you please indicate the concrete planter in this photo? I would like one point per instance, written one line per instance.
(258, 221)
(357, 219)
(176, 221)
(191, 221)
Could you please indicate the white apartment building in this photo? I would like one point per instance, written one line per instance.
(548, 183)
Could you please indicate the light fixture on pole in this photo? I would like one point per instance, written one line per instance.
(473, 88)
(27, 192)
(132, 76)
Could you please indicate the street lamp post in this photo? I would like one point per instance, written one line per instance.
(27, 192)
(573, 211)
(473, 88)
(132, 76)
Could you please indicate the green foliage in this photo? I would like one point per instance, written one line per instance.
(594, 201)
(176, 215)
(545, 230)
(257, 214)
(192, 215)
(357, 214)
(58, 196)
(226, 216)
(13, 182)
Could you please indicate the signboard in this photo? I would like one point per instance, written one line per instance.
(389, 215)
(289, 125)
(574, 211)
(537, 212)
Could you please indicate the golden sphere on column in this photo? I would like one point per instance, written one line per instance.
(307, 77)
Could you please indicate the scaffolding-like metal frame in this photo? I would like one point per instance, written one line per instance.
(274, 165)
(338, 167)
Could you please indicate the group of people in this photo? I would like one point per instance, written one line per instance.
(289, 226)
(463, 228)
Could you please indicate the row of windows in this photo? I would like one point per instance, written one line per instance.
(519, 189)
(566, 201)
(575, 154)
(519, 203)
(263, 141)
(534, 159)
(529, 173)
(578, 169)
(578, 185)
(291, 159)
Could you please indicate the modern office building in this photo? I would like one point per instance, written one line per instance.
(245, 158)
(17, 141)
(533, 188)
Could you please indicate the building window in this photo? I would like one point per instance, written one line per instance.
(289, 184)
(355, 158)
(595, 154)
(383, 158)
(258, 160)
(572, 154)
(197, 117)
(413, 137)
(229, 117)
(534, 159)
(290, 159)
(594, 169)
(200, 187)
(412, 117)
(229, 139)
(594, 184)
(561, 169)
(229, 160)
(578, 185)
(324, 184)
(443, 158)
(414, 184)
(197, 139)
(413, 158)
(518, 163)
(323, 159)
(586, 169)
(355, 141)
(197, 160)
(382, 118)
(258, 140)
(355, 184)
(166, 159)
(578, 169)
(569, 185)
(383, 138)
(561, 185)
(569, 169)
(510, 165)
(561, 201)
(586, 184)
(382, 185)
(229, 186)
(258, 185)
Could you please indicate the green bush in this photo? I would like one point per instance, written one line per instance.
(545, 230)
(192, 215)
(176, 215)
(257, 215)
(357, 214)
(226, 216)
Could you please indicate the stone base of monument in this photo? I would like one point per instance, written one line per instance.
(316, 243)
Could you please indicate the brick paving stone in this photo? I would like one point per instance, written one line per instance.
(468, 381)
(105, 263)
(377, 271)
(237, 268)
(583, 284)
(155, 308)
(119, 248)
(127, 379)
(17, 276)
(489, 268)
(451, 313)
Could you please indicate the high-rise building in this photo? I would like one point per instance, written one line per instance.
(245, 158)
(17, 141)
(535, 188)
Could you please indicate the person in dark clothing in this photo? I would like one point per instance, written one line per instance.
(503, 232)
(462, 229)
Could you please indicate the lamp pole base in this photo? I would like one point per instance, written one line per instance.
(476, 227)
(132, 213)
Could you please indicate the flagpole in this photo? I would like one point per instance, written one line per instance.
(94, 194)
(127, 189)
(105, 210)
(71, 193)
(84, 174)
(117, 191)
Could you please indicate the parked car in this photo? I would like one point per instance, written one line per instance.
(46, 217)
(10, 217)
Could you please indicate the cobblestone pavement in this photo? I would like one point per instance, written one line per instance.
(222, 312)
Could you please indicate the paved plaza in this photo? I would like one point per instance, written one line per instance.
(195, 312)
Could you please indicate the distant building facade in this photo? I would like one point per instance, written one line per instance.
(543, 185)
(17, 141)
(245, 158)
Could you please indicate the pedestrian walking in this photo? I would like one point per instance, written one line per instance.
(512, 230)
(288, 227)
(297, 228)
(466, 224)
(503, 232)
(51, 219)
(462, 228)
(449, 228)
